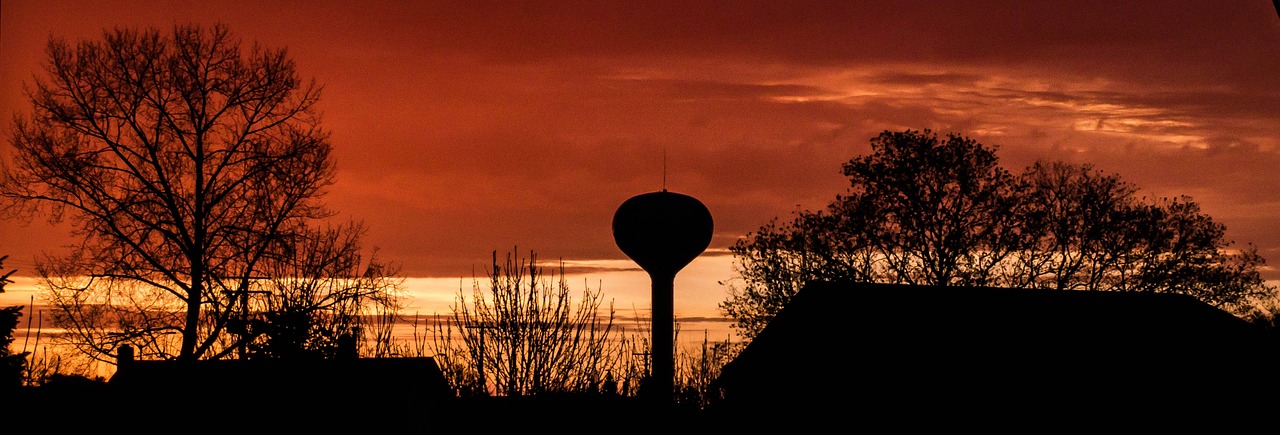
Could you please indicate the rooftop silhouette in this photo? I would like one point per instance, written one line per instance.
(994, 356)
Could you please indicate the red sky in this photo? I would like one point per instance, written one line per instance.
(463, 127)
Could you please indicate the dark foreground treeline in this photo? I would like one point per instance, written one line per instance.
(841, 357)
(76, 404)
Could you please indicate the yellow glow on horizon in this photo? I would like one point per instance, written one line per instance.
(24, 290)
(698, 289)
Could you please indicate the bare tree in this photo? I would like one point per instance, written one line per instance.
(1091, 231)
(524, 335)
(919, 210)
(324, 301)
(933, 210)
(1080, 225)
(697, 369)
(191, 168)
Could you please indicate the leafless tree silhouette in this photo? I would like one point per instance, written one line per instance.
(193, 170)
(524, 334)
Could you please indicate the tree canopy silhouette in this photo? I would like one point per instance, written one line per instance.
(927, 210)
(193, 171)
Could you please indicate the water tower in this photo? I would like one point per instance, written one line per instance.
(662, 232)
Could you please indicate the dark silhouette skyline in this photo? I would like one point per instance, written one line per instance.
(900, 357)
(464, 127)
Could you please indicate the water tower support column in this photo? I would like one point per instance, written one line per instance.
(663, 333)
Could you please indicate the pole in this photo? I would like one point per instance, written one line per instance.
(484, 387)
(664, 363)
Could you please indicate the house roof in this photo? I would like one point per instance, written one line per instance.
(928, 347)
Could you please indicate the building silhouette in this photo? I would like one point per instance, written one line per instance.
(945, 357)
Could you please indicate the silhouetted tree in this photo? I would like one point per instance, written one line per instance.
(11, 364)
(525, 335)
(925, 210)
(192, 169)
(919, 210)
(332, 303)
(697, 369)
(1079, 225)
(4, 276)
(1091, 231)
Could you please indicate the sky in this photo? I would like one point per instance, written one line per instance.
(461, 128)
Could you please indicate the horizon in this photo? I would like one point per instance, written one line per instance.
(627, 287)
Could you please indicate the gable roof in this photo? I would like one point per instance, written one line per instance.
(930, 347)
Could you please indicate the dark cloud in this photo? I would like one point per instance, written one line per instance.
(925, 79)
(703, 90)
